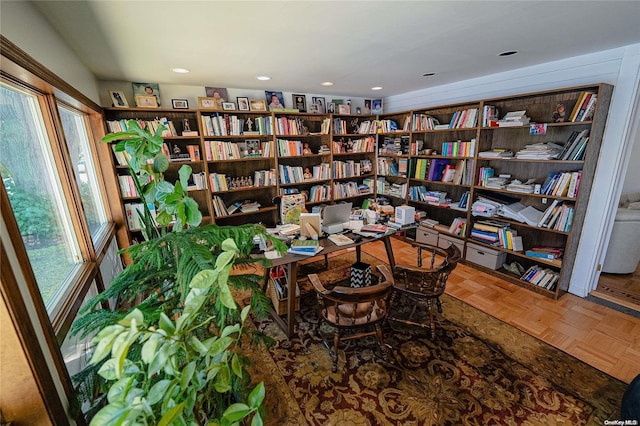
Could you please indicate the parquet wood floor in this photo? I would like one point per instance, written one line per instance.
(600, 336)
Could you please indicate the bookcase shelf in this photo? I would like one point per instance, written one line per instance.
(453, 134)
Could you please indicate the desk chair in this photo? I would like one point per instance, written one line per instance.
(359, 310)
(423, 285)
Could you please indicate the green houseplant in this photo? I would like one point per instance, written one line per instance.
(171, 352)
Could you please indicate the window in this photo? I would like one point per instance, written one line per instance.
(78, 144)
(34, 188)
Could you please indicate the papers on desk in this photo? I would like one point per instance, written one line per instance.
(340, 239)
(315, 251)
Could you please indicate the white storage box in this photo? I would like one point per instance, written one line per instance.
(427, 236)
(444, 241)
(489, 258)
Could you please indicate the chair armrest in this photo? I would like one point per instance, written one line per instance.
(386, 273)
(317, 284)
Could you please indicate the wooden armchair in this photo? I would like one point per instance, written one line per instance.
(422, 286)
(360, 310)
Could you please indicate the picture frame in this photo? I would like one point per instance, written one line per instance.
(314, 109)
(219, 94)
(207, 102)
(243, 103)
(180, 103)
(376, 106)
(146, 89)
(367, 107)
(257, 105)
(118, 99)
(143, 101)
(299, 102)
(274, 99)
(320, 102)
(331, 108)
(228, 106)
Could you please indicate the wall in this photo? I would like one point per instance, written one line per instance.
(619, 67)
(45, 45)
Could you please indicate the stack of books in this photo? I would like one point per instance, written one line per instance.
(549, 253)
(305, 247)
(514, 118)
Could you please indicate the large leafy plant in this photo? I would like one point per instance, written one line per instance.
(176, 311)
(166, 384)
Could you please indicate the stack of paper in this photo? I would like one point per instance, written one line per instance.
(485, 208)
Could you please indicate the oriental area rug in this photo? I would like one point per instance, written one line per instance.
(477, 371)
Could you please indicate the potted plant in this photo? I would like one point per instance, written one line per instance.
(171, 350)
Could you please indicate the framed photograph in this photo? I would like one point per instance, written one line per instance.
(219, 94)
(313, 108)
(180, 103)
(331, 108)
(143, 101)
(274, 99)
(367, 107)
(257, 105)
(118, 99)
(320, 102)
(228, 106)
(376, 106)
(146, 89)
(299, 102)
(243, 103)
(205, 102)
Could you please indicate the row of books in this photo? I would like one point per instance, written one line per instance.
(352, 189)
(318, 193)
(127, 186)
(340, 127)
(464, 119)
(558, 216)
(575, 146)
(199, 181)
(562, 184)
(367, 126)
(351, 168)
(584, 107)
(542, 277)
(367, 144)
(421, 193)
(295, 174)
(290, 148)
(489, 115)
(221, 150)
(247, 206)
(458, 226)
(422, 121)
(459, 148)
(497, 233)
(290, 126)
(121, 126)
(394, 145)
(388, 166)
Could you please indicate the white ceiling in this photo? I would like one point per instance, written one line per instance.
(355, 44)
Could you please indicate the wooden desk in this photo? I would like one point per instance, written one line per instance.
(290, 261)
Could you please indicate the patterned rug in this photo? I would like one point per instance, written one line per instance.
(477, 371)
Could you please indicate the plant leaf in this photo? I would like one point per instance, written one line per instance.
(166, 324)
(257, 419)
(225, 295)
(187, 374)
(229, 245)
(118, 390)
(204, 279)
(235, 365)
(160, 163)
(135, 314)
(171, 415)
(245, 313)
(157, 391)
(256, 396)
(108, 370)
(236, 412)
(110, 415)
(184, 173)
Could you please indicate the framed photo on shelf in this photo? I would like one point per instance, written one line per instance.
(205, 102)
(146, 89)
(258, 105)
(313, 108)
(331, 108)
(367, 107)
(118, 99)
(143, 101)
(180, 103)
(376, 106)
(219, 94)
(228, 106)
(274, 99)
(320, 103)
(299, 102)
(243, 103)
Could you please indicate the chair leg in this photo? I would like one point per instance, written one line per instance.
(432, 322)
(439, 305)
(385, 352)
(336, 342)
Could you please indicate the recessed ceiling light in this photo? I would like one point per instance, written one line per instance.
(508, 53)
(428, 74)
(263, 77)
(180, 70)
(376, 88)
(327, 83)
